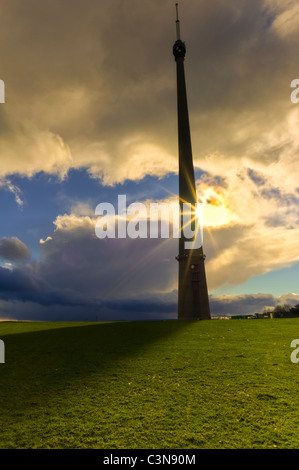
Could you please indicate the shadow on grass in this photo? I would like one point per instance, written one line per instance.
(43, 364)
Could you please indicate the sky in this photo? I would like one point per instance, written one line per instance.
(90, 114)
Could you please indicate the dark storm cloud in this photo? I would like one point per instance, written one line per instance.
(241, 304)
(23, 285)
(22, 298)
(20, 286)
(13, 249)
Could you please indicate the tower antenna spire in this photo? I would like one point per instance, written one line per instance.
(178, 33)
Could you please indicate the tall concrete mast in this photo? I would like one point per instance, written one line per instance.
(193, 300)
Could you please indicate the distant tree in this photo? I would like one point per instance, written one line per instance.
(285, 308)
(295, 309)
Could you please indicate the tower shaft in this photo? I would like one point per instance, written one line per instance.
(193, 300)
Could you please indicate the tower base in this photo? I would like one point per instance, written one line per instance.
(193, 301)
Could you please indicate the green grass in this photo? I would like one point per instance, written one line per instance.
(177, 385)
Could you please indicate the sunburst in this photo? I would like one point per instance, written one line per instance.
(216, 211)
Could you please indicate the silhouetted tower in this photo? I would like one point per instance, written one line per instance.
(193, 300)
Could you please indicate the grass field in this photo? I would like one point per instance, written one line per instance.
(173, 385)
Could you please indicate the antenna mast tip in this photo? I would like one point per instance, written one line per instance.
(177, 22)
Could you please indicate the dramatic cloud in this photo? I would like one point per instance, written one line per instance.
(87, 94)
(259, 231)
(13, 249)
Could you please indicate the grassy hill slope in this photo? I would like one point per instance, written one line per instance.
(209, 384)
